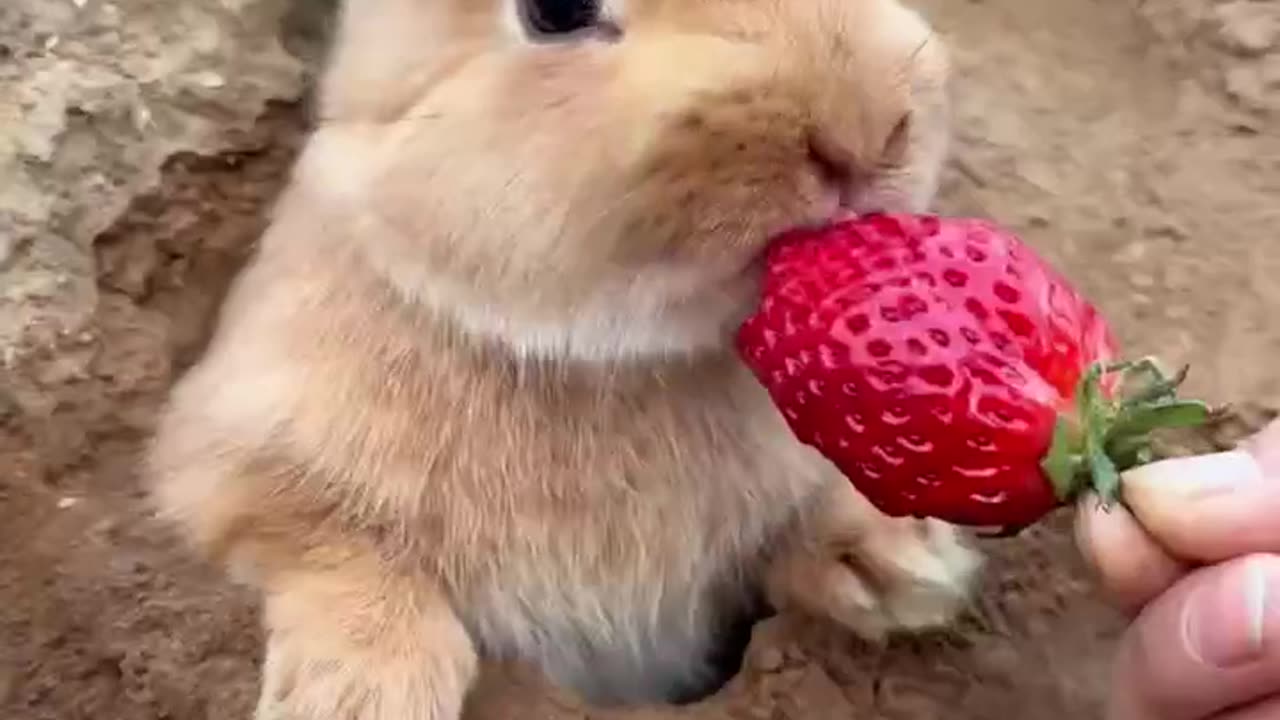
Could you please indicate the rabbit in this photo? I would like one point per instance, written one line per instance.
(474, 398)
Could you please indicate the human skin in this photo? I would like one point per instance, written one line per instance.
(1194, 556)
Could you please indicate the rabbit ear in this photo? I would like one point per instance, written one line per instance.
(387, 52)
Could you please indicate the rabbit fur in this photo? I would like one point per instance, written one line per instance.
(475, 396)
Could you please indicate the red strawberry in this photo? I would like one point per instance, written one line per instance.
(949, 371)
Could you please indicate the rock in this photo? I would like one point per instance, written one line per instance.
(1248, 27)
(1255, 85)
(94, 96)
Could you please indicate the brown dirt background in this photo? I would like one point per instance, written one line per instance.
(1135, 142)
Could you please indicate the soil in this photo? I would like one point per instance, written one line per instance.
(1135, 143)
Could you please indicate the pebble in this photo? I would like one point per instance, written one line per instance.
(1142, 280)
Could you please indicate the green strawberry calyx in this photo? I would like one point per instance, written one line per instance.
(1110, 433)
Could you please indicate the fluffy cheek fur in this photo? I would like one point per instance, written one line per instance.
(592, 203)
(593, 224)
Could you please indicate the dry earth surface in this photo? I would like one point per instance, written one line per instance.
(1135, 142)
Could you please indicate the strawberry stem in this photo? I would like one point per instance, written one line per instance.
(1111, 434)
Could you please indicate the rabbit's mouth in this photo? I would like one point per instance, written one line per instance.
(845, 196)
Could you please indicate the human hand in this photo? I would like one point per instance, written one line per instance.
(1195, 556)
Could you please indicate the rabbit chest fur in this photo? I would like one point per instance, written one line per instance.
(608, 522)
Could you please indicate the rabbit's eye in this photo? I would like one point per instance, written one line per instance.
(560, 17)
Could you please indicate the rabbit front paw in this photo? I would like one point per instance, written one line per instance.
(875, 574)
(376, 658)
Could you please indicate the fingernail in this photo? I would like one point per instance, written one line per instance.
(1225, 624)
(1196, 476)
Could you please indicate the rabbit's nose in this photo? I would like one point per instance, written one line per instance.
(834, 164)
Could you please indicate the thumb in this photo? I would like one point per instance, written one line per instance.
(1207, 508)
(1211, 642)
(1265, 447)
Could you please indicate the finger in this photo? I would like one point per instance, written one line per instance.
(1132, 568)
(1268, 709)
(1206, 508)
(1212, 642)
(1265, 448)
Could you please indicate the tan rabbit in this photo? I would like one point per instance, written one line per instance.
(476, 398)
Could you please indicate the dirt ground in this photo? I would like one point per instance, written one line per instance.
(1136, 143)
